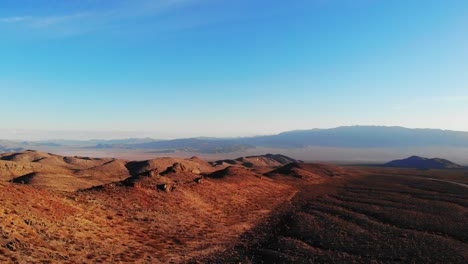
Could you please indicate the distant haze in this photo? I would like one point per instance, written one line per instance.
(353, 144)
(51, 135)
(34, 135)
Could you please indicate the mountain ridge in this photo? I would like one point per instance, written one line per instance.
(423, 163)
(339, 137)
(347, 136)
(66, 173)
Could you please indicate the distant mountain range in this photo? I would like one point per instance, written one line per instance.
(423, 163)
(95, 142)
(363, 137)
(354, 136)
(340, 137)
(9, 146)
(190, 144)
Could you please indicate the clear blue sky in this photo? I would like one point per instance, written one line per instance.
(178, 68)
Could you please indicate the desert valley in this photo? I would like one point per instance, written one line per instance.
(243, 132)
(257, 209)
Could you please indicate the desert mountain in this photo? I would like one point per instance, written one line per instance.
(362, 137)
(423, 163)
(268, 160)
(309, 171)
(351, 136)
(359, 144)
(50, 171)
(233, 171)
(179, 220)
(57, 209)
(167, 208)
(164, 165)
(193, 145)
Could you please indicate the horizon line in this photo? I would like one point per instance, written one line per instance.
(147, 136)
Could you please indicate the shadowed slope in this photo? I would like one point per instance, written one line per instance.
(160, 165)
(47, 170)
(372, 219)
(313, 172)
(118, 223)
(10, 169)
(50, 171)
(31, 156)
(110, 169)
(268, 160)
(182, 210)
(57, 182)
(423, 163)
(233, 171)
(261, 164)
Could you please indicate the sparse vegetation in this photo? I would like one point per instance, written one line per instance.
(225, 213)
(371, 219)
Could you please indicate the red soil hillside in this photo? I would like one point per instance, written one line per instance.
(10, 169)
(31, 156)
(139, 223)
(172, 210)
(312, 172)
(57, 182)
(54, 172)
(233, 171)
(268, 160)
(110, 169)
(261, 164)
(161, 165)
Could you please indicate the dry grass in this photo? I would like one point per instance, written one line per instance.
(298, 214)
(133, 224)
(370, 219)
(54, 172)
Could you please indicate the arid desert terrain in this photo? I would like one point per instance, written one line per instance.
(258, 209)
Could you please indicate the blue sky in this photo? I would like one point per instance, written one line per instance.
(180, 68)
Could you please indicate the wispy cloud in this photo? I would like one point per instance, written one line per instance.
(13, 19)
(96, 19)
(50, 21)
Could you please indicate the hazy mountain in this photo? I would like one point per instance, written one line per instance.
(343, 138)
(267, 160)
(195, 145)
(423, 163)
(363, 137)
(353, 136)
(92, 142)
(4, 149)
(9, 146)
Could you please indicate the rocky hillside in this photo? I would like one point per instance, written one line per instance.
(310, 172)
(55, 172)
(261, 209)
(59, 209)
(267, 160)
